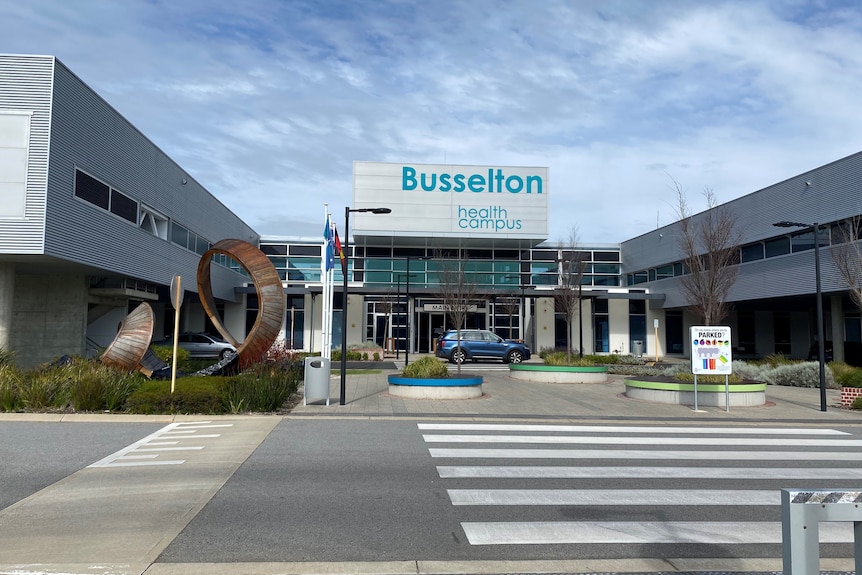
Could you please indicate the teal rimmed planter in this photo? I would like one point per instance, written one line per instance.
(541, 373)
(747, 394)
(452, 387)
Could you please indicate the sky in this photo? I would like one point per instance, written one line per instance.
(267, 103)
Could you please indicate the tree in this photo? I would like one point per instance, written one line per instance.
(456, 290)
(567, 296)
(709, 243)
(847, 256)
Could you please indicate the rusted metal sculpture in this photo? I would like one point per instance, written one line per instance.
(270, 297)
(130, 349)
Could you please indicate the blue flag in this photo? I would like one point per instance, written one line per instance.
(329, 243)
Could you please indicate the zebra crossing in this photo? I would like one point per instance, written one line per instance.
(642, 485)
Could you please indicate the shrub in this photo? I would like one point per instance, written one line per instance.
(846, 375)
(376, 356)
(6, 357)
(427, 366)
(351, 355)
(559, 358)
(776, 359)
(799, 374)
(857, 403)
(261, 388)
(10, 381)
(166, 354)
(191, 395)
(749, 371)
(44, 388)
(689, 378)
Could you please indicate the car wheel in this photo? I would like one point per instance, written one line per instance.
(224, 353)
(458, 356)
(515, 356)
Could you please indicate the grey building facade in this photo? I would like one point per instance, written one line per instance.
(94, 219)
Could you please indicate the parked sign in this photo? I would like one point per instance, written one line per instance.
(710, 350)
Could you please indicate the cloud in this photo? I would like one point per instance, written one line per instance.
(268, 103)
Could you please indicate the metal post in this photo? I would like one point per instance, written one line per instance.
(397, 303)
(345, 271)
(820, 343)
(407, 311)
(580, 323)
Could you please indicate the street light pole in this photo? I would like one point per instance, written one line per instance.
(821, 345)
(344, 246)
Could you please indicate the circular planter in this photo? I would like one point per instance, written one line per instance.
(749, 394)
(542, 373)
(453, 387)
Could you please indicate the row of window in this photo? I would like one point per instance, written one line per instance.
(829, 234)
(100, 194)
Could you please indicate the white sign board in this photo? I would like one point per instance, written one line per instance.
(710, 350)
(451, 201)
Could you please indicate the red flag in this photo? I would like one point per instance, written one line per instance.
(340, 253)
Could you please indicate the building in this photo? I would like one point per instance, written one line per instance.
(95, 219)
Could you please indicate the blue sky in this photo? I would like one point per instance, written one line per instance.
(267, 103)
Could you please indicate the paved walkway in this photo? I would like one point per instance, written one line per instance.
(367, 395)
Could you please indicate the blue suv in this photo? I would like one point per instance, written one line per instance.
(478, 344)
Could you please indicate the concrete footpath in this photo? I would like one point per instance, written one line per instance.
(367, 395)
(60, 530)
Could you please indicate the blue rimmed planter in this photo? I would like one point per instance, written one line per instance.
(541, 373)
(748, 394)
(452, 387)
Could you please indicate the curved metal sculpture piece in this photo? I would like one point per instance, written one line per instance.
(132, 341)
(270, 297)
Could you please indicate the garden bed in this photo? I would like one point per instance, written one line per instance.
(661, 390)
(542, 373)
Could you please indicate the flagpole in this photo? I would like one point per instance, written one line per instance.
(324, 276)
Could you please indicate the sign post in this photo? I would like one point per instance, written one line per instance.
(711, 355)
(177, 302)
(655, 327)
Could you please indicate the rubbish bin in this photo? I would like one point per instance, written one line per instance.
(317, 379)
(638, 348)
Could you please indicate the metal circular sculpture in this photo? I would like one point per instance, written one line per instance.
(270, 297)
(132, 340)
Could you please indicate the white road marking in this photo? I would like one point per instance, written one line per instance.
(623, 429)
(644, 454)
(124, 457)
(605, 497)
(604, 440)
(567, 472)
(680, 532)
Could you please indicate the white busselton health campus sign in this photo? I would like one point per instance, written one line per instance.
(710, 350)
(451, 201)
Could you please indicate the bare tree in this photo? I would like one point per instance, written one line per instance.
(567, 296)
(709, 243)
(456, 290)
(847, 257)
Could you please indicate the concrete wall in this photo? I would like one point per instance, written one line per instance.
(50, 318)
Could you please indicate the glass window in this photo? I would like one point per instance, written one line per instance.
(179, 235)
(91, 190)
(305, 250)
(638, 278)
(802, 241)
(606, 256)
(606, 280)
(664, 272)
(124, 206)
(545, 255)
(777, 247)
(752, 252)
(274, 249)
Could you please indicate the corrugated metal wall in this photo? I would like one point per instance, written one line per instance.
(87, 133)
(25, 85)
(826, 194)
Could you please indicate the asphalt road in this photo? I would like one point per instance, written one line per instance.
(35, 454)
(350, 491)
(370, 490)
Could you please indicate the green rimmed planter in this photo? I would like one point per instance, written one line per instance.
(747, 394)
(452, 387)
(541, 373)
